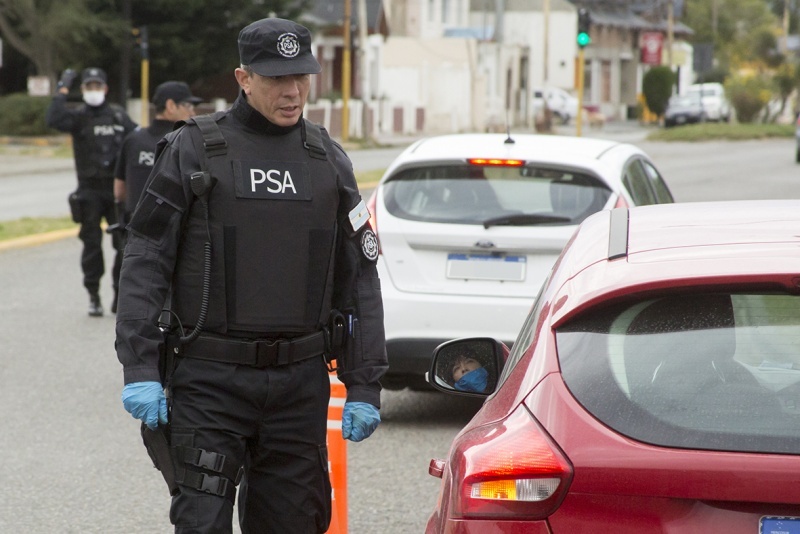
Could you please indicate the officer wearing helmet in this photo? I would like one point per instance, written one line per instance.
(251, 232)
(97, 130)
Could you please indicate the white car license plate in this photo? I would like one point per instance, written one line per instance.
(779, 525)
(486, 267)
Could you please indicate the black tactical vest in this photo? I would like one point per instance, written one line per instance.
(272, 221)
(98, 142)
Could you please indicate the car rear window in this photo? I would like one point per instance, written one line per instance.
(703, 371)
(473, 194)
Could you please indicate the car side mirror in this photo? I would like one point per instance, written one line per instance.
(467, 366)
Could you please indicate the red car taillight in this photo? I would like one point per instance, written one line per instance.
(373, 216)
(509, 470)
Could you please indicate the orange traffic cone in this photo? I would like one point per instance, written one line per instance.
(337, 458)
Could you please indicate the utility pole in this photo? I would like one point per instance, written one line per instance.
(346, 72)
(785, 27)
(714, 17)
(670, 32)
(140, 34)
(363, 66)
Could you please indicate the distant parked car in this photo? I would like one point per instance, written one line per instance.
(474, 222)
(654, 387)
(687, 109)
(715, 103)
(563, 105)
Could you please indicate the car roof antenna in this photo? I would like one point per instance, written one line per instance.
(509, 140)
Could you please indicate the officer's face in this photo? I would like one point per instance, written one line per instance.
(280, 99)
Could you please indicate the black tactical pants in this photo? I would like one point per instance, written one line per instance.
(273, 421)
(97, 204)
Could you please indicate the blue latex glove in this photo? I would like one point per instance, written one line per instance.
(146, 401)
(359, 420)
(474, 381)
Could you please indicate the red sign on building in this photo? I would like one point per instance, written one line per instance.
(652, 43)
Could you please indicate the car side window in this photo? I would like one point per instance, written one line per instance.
(662, 192)
(716, 371)
(637, 184)
(526, 335)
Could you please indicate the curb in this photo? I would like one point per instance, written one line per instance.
(38, 239)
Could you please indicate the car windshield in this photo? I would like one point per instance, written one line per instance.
(494, 195)
(701, 371)
(685, 101)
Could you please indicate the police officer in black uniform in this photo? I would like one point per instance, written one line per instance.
(253, 234)
(97, 130)
(174, 102)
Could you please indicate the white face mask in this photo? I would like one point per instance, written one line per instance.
(94, 98)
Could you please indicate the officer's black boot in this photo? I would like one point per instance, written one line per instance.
(95, 308)
(114, 302)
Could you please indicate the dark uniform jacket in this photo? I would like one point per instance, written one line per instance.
(97, 134)
(136, 159)
(158, 232)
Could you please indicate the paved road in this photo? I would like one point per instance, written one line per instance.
(73, 461)
(72, 457)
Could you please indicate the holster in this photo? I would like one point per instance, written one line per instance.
(339, 336)
(75, 208)
(157, 444)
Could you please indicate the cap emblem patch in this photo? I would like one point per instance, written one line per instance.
(288, 45)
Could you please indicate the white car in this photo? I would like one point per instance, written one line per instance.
(470, 225)
(715, 104)
(563, 105)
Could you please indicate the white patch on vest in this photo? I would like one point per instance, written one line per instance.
(273, 176)
(359, 216)
(369, 245)
(147, 158)
(288, 45)
(103, 130)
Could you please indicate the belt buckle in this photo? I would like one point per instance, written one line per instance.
(266, 353)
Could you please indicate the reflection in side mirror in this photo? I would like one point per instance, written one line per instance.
(469, 366)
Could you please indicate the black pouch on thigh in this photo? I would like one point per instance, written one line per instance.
(75, 208)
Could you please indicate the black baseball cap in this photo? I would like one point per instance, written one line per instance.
(277, 47)
(176, 91)
(93, 74)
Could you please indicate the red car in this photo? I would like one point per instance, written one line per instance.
(654, 387)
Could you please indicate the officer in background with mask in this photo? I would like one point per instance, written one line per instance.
(252, 232)
(97, 130)
(174, 102)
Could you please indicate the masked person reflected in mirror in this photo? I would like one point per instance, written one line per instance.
(252, 233)
(173, 101)
(97, 129)
(469, 375)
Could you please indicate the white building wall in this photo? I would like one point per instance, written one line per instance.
(433, 73)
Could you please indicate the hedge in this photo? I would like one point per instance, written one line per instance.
(22, 115)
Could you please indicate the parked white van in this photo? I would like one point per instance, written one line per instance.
(563, 105)
(715, 104)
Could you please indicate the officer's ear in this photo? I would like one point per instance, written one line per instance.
(244, 79)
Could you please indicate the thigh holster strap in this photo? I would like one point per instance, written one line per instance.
(217, 464)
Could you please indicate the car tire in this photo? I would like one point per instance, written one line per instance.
(797, 155)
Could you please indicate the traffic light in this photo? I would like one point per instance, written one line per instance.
(140, 39)
(584, 21)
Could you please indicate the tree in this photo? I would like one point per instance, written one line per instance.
(657, 86)
(195, 40)
(55, 33)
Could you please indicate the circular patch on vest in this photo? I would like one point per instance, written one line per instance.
(369, 245)
(288, 45)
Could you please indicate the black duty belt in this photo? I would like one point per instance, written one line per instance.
(256, 353)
